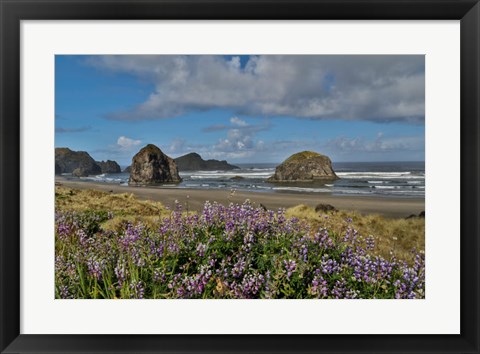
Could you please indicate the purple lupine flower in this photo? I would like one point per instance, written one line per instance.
(201, 248)
(95, 268)
(290, 267)
(64, 292)
(63, 230)
(137, 290)
(319, 287)
(370, 241)
(239, 268)
(121, 272)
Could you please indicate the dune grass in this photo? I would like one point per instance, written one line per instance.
(398, 236)
(125, 206)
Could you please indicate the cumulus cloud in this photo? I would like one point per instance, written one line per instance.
(127, 143)
(239, 142)
(368, 87)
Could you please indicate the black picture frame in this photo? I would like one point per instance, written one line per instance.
(14, 11)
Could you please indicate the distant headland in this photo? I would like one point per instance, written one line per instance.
(194, 162)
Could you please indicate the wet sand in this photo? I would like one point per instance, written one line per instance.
(389, 207)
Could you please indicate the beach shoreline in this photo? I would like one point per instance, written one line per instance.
(194, 199)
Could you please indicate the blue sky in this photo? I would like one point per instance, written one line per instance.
(244, 109)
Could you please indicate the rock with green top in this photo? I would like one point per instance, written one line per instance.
(305, 166)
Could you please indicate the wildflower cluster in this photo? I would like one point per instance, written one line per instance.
(235, 251)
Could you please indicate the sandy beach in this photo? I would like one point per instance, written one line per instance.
(389, 207)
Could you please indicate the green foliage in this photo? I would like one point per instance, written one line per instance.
(302, 156)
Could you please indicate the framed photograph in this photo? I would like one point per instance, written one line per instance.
(272, 176)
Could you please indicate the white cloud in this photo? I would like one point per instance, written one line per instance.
(375, 88)
(381, 144)
(240, 141)
(237, 121)
(126, 143)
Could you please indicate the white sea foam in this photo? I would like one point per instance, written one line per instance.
(105, 179)
(380, 175)
(410, 192)
(255, 172)
(351, 191)
(263, 187)
(300, 189)
(253, 179)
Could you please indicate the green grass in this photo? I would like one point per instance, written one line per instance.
(302, 155)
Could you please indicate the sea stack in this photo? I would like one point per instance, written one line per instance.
(305, 166)
(151, 166)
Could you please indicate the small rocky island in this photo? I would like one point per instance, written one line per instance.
(151, 166)
(194, 162)
(305, 166)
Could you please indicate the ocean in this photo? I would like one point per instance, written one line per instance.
(389, 179)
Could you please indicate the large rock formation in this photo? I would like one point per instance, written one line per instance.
(127, 169)
(305, 166)
(150, 166)
(194, 162)
(78, 163)
(109, 166)
(58, 169)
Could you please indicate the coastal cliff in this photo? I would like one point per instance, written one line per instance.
(78, 163)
